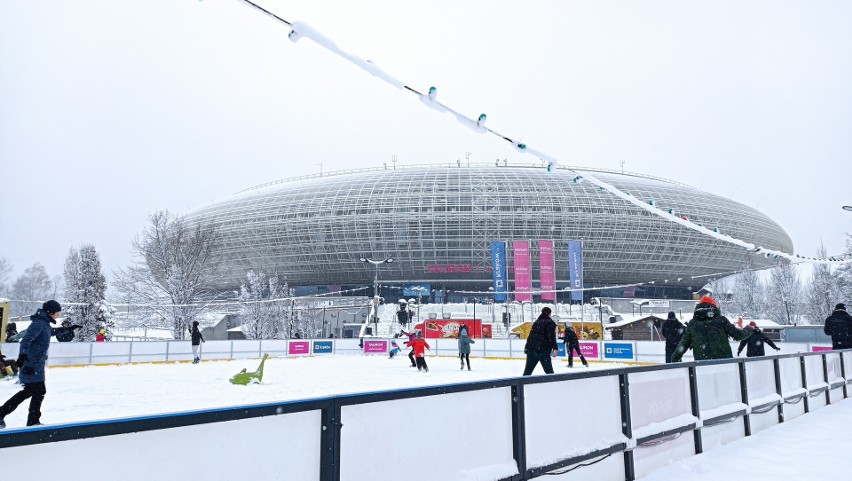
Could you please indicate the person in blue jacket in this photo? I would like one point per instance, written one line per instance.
(32, 359)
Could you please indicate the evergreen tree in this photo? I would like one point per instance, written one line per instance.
(263, 311)
(784, 295)
(85, 292)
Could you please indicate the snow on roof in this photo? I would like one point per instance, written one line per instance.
(762, 323)
(630, 319)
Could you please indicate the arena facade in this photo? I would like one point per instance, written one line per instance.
(437, 223)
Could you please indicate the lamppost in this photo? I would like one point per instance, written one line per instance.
(847, 208)
(376, 264)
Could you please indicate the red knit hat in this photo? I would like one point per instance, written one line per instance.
(752, 324)
(708, 300)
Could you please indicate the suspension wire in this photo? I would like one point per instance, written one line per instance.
(300, 29)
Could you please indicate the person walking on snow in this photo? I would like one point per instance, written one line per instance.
(707, 334)
(839, 326)
(197, 339)
(572, 344)
(411, 336)
(541, 343)
(755, 342)
(31, 361)
(419, 345)
(464, 347)
(672, 332)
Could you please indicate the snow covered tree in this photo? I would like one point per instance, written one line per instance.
(748, 298)
(824, 290)
(844, 274)
(173, 272)
(5, 270)
(85, 292)
(33, 287)
(263, 311)
(784, 295)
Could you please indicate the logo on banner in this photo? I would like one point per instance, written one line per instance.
(322, 347)
(618, 350)
(575, 268)
(498, 264)
(372, 347)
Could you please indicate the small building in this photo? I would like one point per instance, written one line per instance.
(647, 327)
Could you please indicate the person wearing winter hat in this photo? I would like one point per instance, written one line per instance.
(839, 326)
(541, 343)
(197, 339)
(755, 342)
(672, 332)
(32, 357)
(419, 346)
(708, 332)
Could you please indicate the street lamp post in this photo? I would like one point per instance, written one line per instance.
(376, 264)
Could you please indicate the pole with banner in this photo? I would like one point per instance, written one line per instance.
(575, 276)
(547, 270)
(498, 270)
(523, 276)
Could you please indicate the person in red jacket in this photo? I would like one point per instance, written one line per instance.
(101, 337)
(419, 345)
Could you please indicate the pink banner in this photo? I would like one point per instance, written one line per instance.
(523, 276)
(547, 270)
(375, 347)
(295, 348)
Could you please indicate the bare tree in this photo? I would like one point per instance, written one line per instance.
(174, 270)
(784, 295)
(31, 289)
(844, 273)
(85, 289)
(264, 310)
(824, 290)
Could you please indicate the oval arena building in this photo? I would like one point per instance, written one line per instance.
(437, 223)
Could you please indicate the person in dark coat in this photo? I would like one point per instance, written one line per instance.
(197, 339)
(672, 332)
(411, 336)
(11, 331)
(572, 344)
(707, 334)
(66, 332)
(755, 342)
(541, 343)
(32, 358)
(464, 346)
(839, 326)
(402, 315)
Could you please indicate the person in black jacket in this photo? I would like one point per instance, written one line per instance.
(839, 326)
(66, 332)
(755, 342)
(7, 368)
(572, 344)
(197, 339)
(541, 343)
(672, 332)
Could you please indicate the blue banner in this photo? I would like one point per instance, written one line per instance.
(322, 347)
(414, 290)
(498, 270)
(618, 350)
(575, 268)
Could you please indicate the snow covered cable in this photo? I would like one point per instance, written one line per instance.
(300, 29)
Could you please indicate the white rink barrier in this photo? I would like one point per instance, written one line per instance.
(82, 353)
(607, 425)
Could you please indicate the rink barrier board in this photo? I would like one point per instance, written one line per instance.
(814, 391)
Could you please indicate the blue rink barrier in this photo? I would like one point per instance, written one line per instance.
(613, 424)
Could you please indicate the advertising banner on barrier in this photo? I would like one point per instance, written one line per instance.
(619, 351)
(298, 348)
(523, 276)
(820, 348)
(575, 268)
(323, 347)
(498, 270)
(414, 290)
(449, 328)
(547, 270)
(590, 350)
(375, 346)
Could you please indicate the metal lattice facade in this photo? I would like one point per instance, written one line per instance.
(437, 223)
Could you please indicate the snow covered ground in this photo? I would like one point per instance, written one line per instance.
(809, 448)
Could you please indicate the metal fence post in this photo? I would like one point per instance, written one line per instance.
(91, 346)
(330, 442)
(626, 426)
(167, 350)
(843, 373)
(776, 364)
(825, 376)
(805, 384)
(130, 354)
(744, 396)
(232, 349)
(519, 430)
(696, 408)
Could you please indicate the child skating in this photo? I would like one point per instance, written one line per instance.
(419, 346)
(464, 347)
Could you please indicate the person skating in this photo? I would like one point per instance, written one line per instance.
(839, 326)
(101, 337)
(755, 342)
(411, 336)
(572, 344)
(31, 361)
(707, 333)
(419, 346)
(541, 343)
(464, 347)
(394, 350)
(672, 332)
(197, 339)
(66, 332)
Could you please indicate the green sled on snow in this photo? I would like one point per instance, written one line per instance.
(244, 378)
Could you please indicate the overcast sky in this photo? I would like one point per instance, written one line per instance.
(113, 109)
